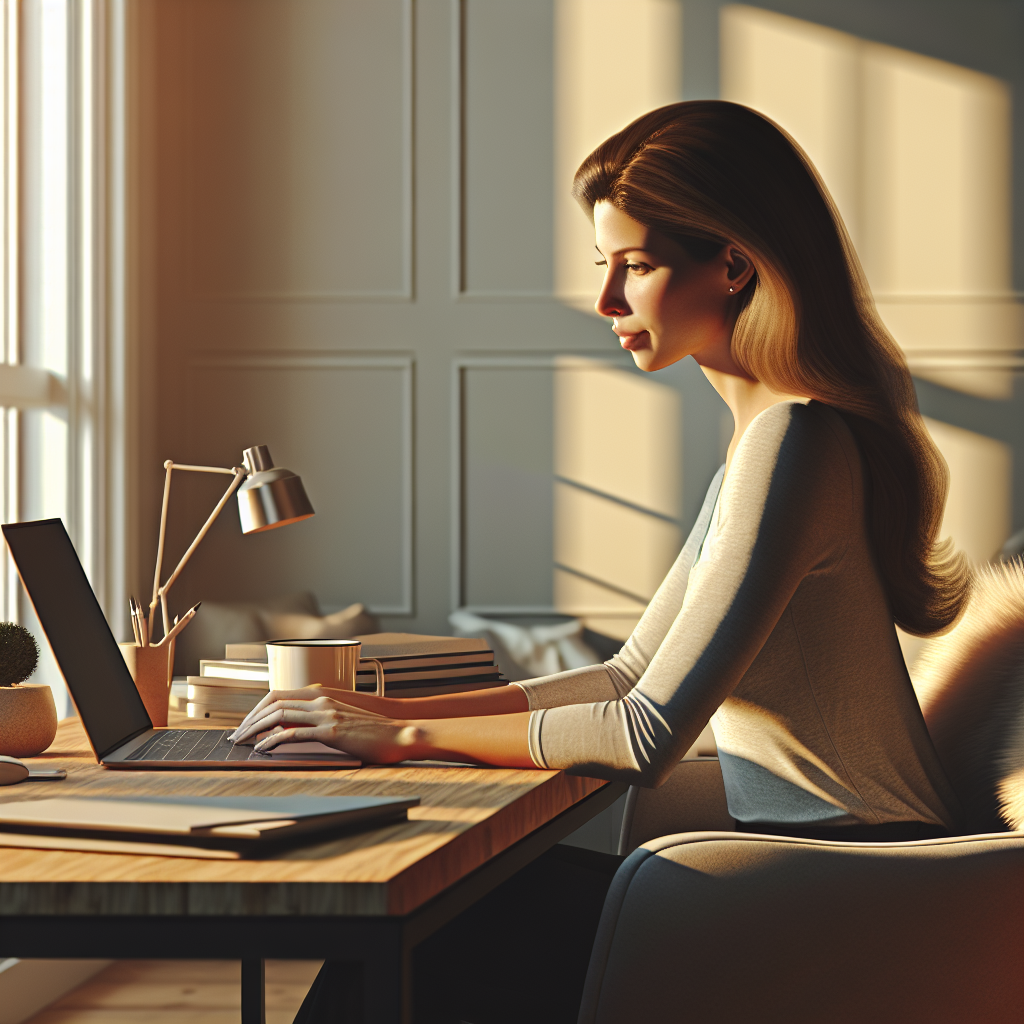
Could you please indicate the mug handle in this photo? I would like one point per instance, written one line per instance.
(380, 675)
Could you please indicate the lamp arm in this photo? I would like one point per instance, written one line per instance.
(169, 466)
(160, 592)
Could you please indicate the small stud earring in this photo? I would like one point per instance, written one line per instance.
(731, 289)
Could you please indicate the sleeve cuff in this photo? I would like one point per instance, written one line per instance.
(534, 739)
(529, 694)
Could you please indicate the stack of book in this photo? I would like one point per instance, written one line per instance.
(227, 690)
(414, 666)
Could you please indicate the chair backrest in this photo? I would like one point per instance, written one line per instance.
(970, 683)
(737, 928)
(692, 799)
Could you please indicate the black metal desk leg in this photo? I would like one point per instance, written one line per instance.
(387, 985)
(254, 1004)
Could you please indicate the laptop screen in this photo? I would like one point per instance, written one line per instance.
(86, 651)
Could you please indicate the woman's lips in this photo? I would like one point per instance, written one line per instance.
(633, 342)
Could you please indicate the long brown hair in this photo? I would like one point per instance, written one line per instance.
(709, 173)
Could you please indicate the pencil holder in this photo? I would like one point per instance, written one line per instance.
(151, 670)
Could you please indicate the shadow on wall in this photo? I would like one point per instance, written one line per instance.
(594, 462)
(618, 480)
(916, 153)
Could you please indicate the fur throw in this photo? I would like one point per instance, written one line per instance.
(970, 683)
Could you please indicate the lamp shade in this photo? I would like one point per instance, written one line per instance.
(271, 496)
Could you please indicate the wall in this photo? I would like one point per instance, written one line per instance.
(911, 123)
(355, 244)
(346, 238)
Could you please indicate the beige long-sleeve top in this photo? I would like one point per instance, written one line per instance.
(772, 623)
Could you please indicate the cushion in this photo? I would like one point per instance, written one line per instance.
(351, 621)
(970, 683)
(220, 622)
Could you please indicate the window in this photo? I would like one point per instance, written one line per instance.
(61, 379)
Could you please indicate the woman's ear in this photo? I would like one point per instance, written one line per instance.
(739, 269)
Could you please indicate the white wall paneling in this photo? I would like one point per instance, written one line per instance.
(569, 489)
(591, 102)
(387, 179)
(916, 148)
(281, 232)
(344, 423)
(536, 91)
(299, 150)
(917, 154)
(505, 149)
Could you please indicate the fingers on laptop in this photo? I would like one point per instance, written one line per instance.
(295, 734)
(307, 693)
(263, 716)
(271, 716)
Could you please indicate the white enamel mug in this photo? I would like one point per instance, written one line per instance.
(298, 663)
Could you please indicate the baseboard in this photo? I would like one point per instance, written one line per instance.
(28, 986)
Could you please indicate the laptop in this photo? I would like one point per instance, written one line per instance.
(119, 728)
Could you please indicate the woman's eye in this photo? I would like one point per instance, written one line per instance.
(637, 268)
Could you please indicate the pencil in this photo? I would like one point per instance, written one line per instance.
(135, 624)
(180, 624)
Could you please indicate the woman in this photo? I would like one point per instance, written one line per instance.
(776, 621)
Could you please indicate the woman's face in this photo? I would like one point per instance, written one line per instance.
(665, 305)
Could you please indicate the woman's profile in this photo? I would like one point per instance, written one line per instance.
(820, 532)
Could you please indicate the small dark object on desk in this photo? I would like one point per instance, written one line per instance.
(13, 771)
(19, 654)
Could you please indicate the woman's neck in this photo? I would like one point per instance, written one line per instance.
(746, 398)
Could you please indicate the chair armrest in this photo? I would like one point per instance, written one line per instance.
(692, 799)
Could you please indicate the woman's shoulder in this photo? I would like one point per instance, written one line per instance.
(803, 441)
(795, 425)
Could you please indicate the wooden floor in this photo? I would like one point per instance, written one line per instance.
(178, 992)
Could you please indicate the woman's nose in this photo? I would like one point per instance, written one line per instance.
(610, 300)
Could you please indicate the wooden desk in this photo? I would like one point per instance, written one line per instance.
(368, 898)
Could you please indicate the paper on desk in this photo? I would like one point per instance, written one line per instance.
(177, 817)
(12, 840)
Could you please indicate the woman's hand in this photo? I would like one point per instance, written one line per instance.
(297, 716)
(311, 693)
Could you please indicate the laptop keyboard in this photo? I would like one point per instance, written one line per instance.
(190, 745)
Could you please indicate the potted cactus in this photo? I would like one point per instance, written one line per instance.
(28, 717)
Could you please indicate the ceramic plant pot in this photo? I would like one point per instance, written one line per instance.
(28, 719)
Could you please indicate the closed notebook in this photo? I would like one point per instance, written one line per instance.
(242, 825)
(243, 673)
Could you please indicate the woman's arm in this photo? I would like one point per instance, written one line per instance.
(498, 700)
(617, 676)
(495, 739)
(607, 682)
(788, 508)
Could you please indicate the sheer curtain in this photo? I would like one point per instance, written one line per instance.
(63, 197)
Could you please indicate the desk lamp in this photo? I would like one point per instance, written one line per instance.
(268, 497)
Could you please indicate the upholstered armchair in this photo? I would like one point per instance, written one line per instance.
(704, 923)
